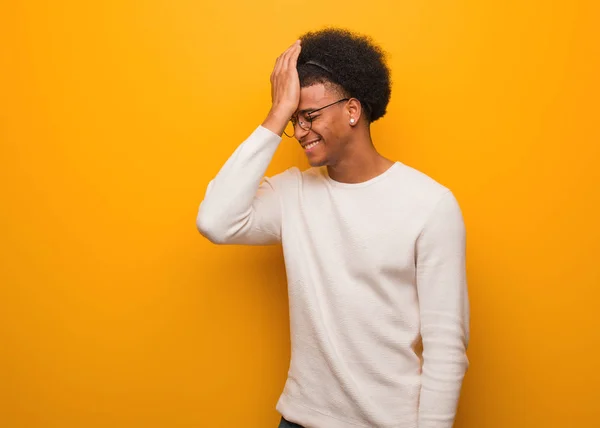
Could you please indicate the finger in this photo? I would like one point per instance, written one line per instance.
(293, 59)
(284, 56)
(290, 53)
(278, 66)
(292, 46)
(273, 72)
(280, 63)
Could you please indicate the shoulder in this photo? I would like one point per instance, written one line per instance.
(431, 200)
(419, 189)
(421, 185)
(438, 201)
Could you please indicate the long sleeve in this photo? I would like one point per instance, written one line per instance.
(444, 311)
(241, 206)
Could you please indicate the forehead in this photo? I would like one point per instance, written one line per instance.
(312, 97)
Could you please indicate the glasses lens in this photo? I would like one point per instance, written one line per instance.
(304, 121)
(289, 129)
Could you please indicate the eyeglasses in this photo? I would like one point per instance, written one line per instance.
(304, 119)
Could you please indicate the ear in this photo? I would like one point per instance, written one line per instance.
(354, 110)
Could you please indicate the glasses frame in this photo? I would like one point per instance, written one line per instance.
(294, 119)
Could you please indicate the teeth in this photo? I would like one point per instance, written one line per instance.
(311, 145)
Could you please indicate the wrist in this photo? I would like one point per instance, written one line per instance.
(276, 120)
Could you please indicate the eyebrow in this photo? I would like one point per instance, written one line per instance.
(306, 110)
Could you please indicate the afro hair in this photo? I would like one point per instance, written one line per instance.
(352, 62)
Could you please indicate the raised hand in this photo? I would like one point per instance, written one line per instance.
(285, 89)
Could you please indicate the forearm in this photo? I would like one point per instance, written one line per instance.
(227, 208)
(444, 366)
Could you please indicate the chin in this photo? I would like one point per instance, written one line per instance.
(317, 162)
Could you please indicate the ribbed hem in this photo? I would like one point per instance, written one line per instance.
(295, 412)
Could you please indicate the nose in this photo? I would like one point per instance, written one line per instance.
(300, 132)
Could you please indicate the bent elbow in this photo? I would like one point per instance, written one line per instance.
(209, 227)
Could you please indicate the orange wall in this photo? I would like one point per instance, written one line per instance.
(114, 312)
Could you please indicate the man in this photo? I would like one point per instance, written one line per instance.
(374, 249)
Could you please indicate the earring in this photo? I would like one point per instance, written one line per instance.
(352, 120)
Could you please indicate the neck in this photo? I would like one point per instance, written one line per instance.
(361, 162)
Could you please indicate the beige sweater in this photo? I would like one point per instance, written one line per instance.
(379, 311)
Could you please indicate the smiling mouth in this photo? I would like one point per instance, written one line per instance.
(311, 145)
